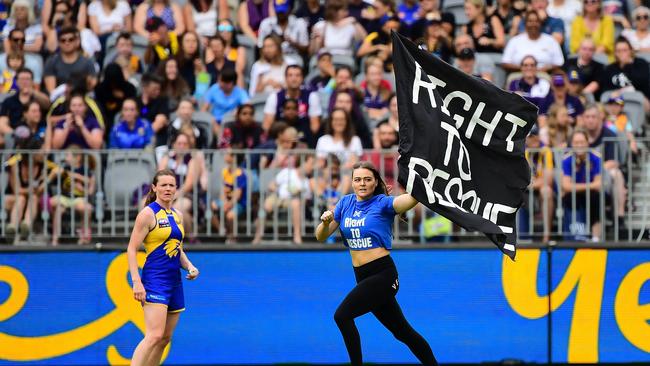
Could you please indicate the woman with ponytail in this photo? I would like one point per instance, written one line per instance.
(160, 289)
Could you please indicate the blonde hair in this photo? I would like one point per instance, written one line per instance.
(480, 4)
(554, 127)
(31, 18)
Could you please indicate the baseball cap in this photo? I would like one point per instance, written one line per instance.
(574, 77)
(466, 54)
(558, 80)
(281, 6)
(616, 100)
(153, 24)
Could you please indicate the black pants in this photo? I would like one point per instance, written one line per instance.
(377, 285)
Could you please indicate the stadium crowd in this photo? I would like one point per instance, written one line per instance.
(177, 78)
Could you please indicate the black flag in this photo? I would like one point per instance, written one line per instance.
(462, 144)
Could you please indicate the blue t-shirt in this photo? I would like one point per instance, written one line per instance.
(581, 169)
(366, 224)
(408, 15)
(137, 138)
(222, 103)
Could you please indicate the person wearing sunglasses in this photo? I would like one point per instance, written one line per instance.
(68, 61)
(595, 25)
(33, 61)
(233, 51)
(639, 37)
(22, 17)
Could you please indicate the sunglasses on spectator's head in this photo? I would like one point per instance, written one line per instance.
(642, 16)
(225, 28)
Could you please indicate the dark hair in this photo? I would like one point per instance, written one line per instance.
(14, 31)
(228, 75)
(528, 57)
(348, 133)
(279, 58)
(70, 10)
(530, 13)
(241, 108)
(183, 58)
(149, 78)
(75, 94)
(332, 7)
(343, 67)
(289, 67)
(173, 89)
(197, 4)
(277, 128)
(217, 37)
(579, 131)
(381, 185)
(290, 101)
(622, 39)
(68, 30)
(151, 195)
(124, 35)
(29, 104)
(234, 43)
(25, 70)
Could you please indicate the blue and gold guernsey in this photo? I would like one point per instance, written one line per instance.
(161, 274)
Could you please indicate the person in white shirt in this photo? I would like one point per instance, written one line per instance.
(566, 10)
(108, 16)
(291, 29)
(267, 73)
(640, 36)
(533, 42)
(338, 32)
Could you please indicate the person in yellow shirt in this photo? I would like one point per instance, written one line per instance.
(595, 25)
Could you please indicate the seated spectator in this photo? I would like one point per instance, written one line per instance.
(63, 18)
(232, 200)
(566, 10)
(371, 16)
(33, 124)
(617, 121)
(250, 15)
(588, 69)
(627, 72)
(291, 29)
(77, 188)
(327, 187)
(165, 10)
(436, 39)
(33, 61)
(384, 155)
(352, 105)
(173, 87)
(183, 122)
(312, 12)
(25, 187)
(163, 43)
(267, 73)
(392, 118)
(379, 43)
(154, 108)
(244, 132)
(78, 128)
(529, 86)
(487, 32)
(188, 60)
(338, 32)
(340, 139)
(131, 132)
(286, 140)
(639, 37)
(595, 25)
(509, 16)
(484, 64)
(15, 62)
(550, 25)
(376, 95)
(200, 16)
(219, 63)
(106, 17)
(540, 160)
(326, 71)
(289, 187)
(560, 94)
(309, 106)
(533, 42)
(60, 67)
(50, 13)
(22, 17)
(584, 186)
(430, 9)
(466, 62)
(408, 13)
(125, 55)
(558, 129)
(234, 52)
(112, 92)
(223, 97)
(618, 10)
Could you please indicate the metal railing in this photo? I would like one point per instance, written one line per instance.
(111, 185)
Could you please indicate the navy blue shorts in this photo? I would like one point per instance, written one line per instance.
(171, 296)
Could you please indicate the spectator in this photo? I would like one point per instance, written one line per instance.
(430, 9)
(595, 25)
(408, 13)
(618, 10)
(220, 62)
(617, 121)
(25, 186)
(11, 110)
(267, 73)
(487, 32)
(15, 62)
(244, 132)
(384, 154)
(79, 127)
(466, 62)
(627, 73)
(484, 64)
(62, 18)
(350, 103)
(109, 16)
(50, 13)
(374, 15)
(34, 62)
(588, 69)
(309, 106)
(338, 32)
(312, 12)
(184, 122)
(327, 187)
(232, 200)
(436, 39)
(163, 44)
(34, 123)
(533, 42)
(565, 10)
(189, 60)
(60, 67)
(640, 36)
(201, 15)
(112, 92)
(558, 129)
(77, 187)
(379, 43)
(540, 160)
(529, 86)
(285, 142)
(129, 62)
(326, 71)
(250, 15)
(376, 95)
(154, 107)
(581, 179)
(509, 16)
(292, 30)
(22, 18)
(173, 86)
(165, 11)
(552, 26)
(224, 97)
(560, 94)
(234, 52)
(392, 119)
(596, 134)
(131, 132)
